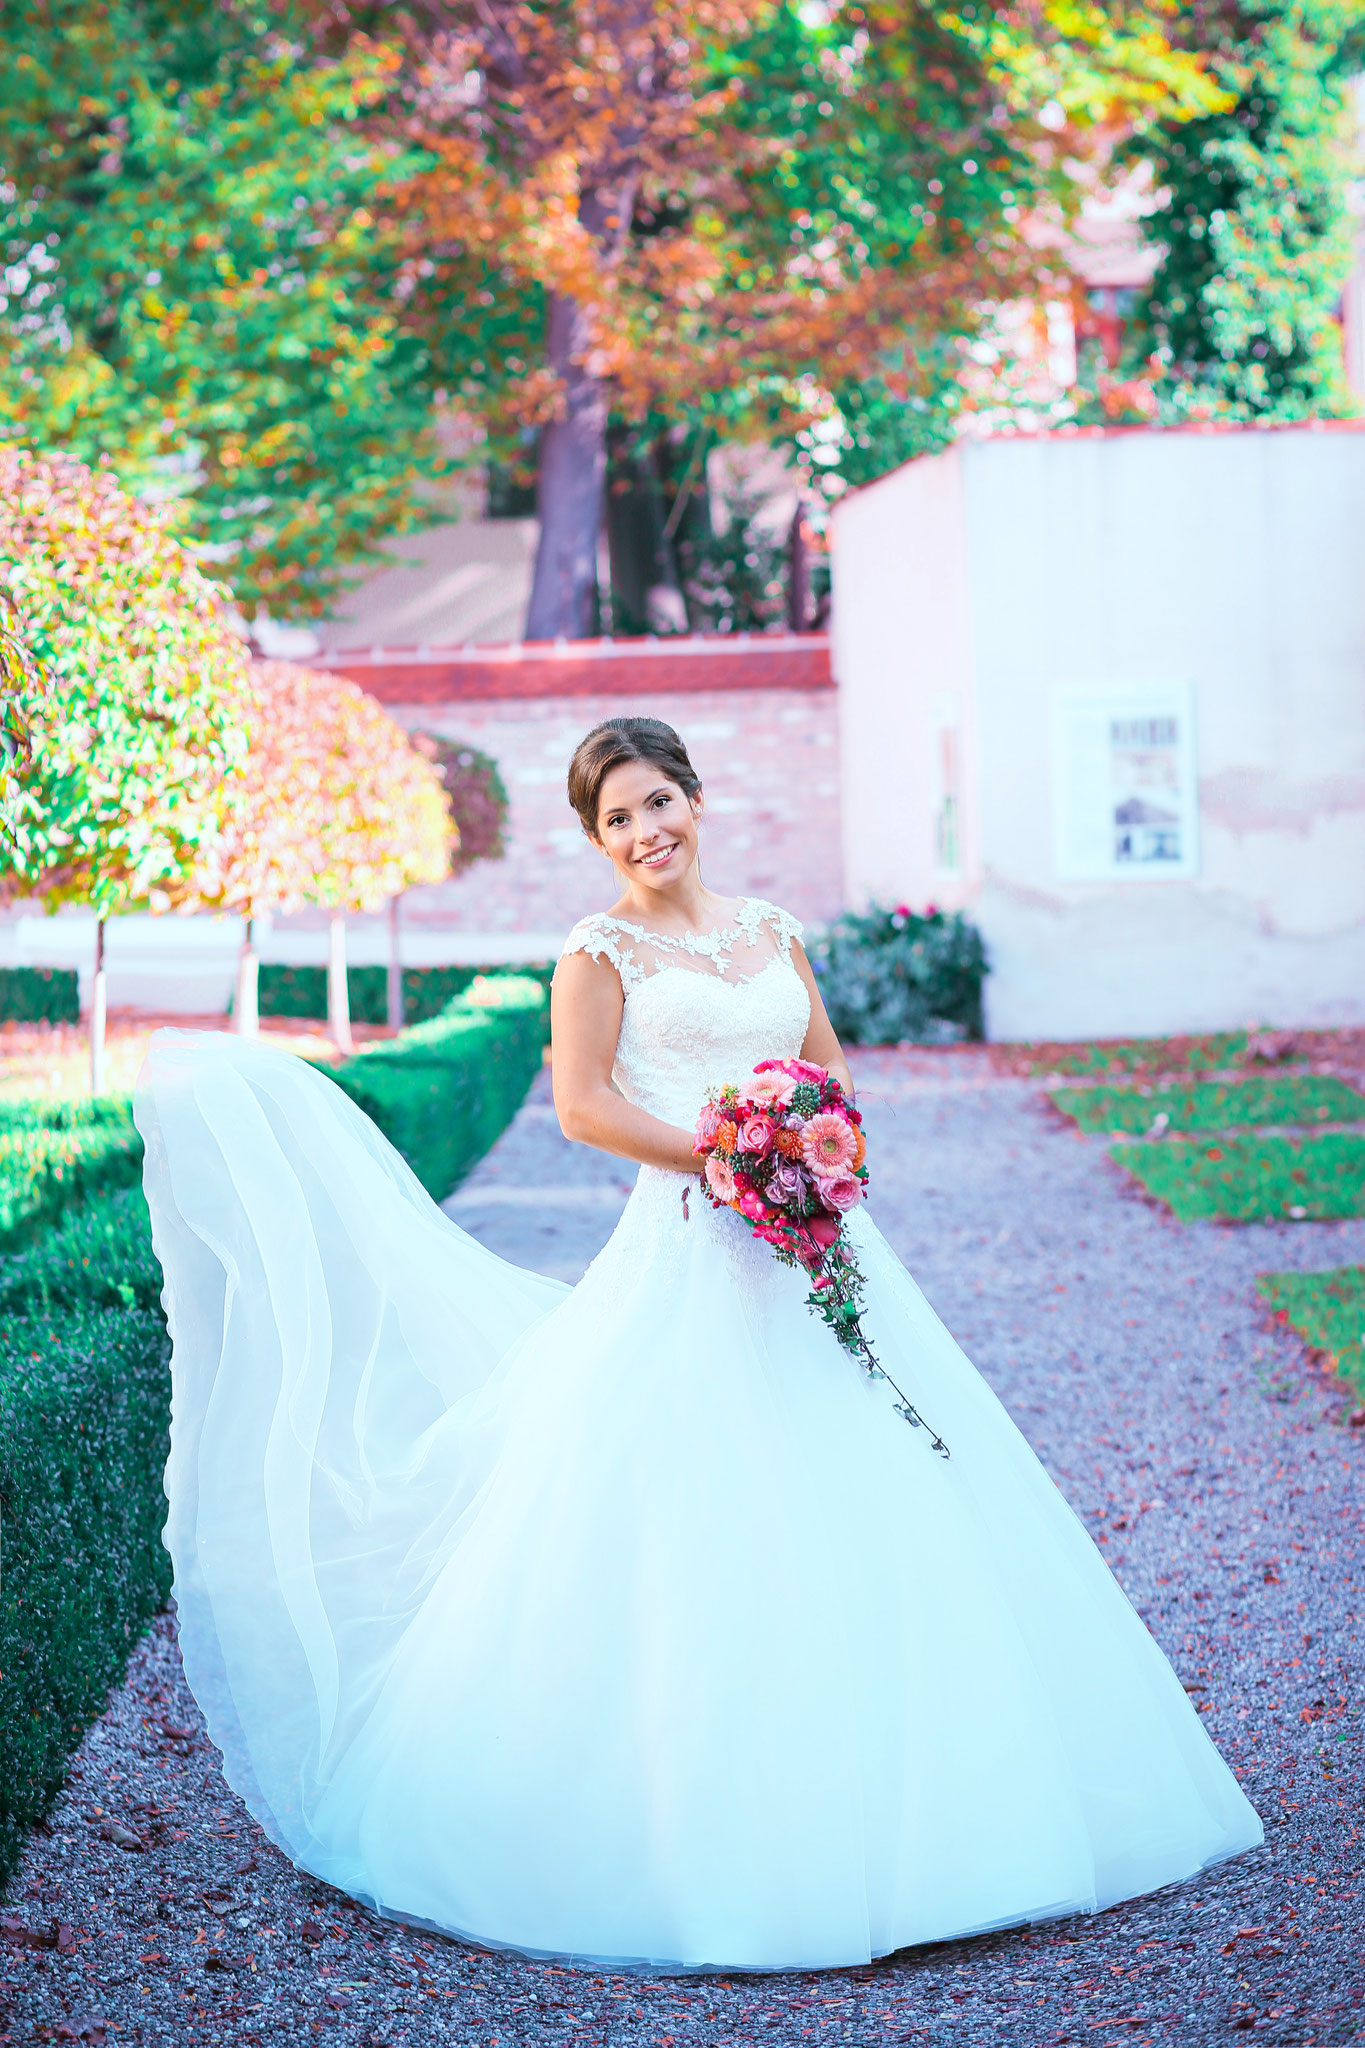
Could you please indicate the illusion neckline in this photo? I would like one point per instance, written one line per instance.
(689, 942)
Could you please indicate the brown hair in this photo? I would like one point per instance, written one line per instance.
(613, 743)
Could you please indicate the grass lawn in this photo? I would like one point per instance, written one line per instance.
(1328, 1311)
(1215, 1105)
(1248, 1180)
(1194, 1055)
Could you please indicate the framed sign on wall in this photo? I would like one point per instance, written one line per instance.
(1125, 789)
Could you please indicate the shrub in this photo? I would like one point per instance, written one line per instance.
(54, 1153)
(98, 1255)
(888, 976)
(445, 1090)
(33, 995)
(476, 794)
(287, 991)
(84, 1415)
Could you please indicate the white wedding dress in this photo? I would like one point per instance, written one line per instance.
(630, 1622)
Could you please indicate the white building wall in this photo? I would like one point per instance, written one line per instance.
(1228, 561)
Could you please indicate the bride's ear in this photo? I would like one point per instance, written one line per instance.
(698, 802)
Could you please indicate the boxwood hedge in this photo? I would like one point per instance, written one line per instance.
(34, 995)
(84, 1368)
(53, 1152)
(289, 991)
(84, 1429)
(443, 1091)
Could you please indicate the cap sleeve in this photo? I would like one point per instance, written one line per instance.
(783, 926)
(604, 939)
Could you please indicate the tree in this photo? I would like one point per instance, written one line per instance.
(335, 806)
(21, 678)
(717, 212)
(134, 701)
(476, 798)
(1257, 228)
(199, 280)
(256, 245)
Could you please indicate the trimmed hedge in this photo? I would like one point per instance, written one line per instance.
(39, 995)
(287, 991)
(84, 1365)
(445, 1090)
(84, 1431)
(98, 1255)
(53, 1153)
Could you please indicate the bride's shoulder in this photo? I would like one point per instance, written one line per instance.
(756, 912)
(600, 935)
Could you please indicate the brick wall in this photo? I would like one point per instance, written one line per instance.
(586, 668)
(768, 759)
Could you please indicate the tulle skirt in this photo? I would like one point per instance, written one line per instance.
(628, 1622)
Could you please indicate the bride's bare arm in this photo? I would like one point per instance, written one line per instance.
(585, 1021)
(820, 1044)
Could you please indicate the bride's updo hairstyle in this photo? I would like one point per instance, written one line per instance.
(612, 744)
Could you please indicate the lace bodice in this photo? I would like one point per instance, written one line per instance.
(699, 1011)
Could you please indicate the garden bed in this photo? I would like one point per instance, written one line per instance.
(1261, 1179)
(1328, 1312)
(1260, 1100)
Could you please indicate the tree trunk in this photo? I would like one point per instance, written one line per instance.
(570, 485)
(338, 994)
(798, 573)
(98, 1012)
(246, 1011)
(395, 975)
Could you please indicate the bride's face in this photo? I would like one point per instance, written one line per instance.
(647, 825)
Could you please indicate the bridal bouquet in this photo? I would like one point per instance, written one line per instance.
(788, 1153)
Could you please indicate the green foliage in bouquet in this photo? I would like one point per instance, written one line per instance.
(896, 976)
(84, 1431)
(33, 995)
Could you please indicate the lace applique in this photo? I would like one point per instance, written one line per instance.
(601, 936)
(636, 952)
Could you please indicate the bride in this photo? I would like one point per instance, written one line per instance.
(629, 1623)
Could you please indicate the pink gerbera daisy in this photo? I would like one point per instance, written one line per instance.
(828, 1143)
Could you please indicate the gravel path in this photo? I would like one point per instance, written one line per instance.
(1213, 1462)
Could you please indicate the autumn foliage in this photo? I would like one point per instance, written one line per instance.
(334, 806)
(133, 697)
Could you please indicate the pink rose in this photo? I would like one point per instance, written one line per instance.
(795, 1070)
(708, 1123)
(840, 1192)
(822, 1230)
(720, 1178)
(756, 1135)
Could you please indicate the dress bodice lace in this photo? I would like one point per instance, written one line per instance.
(699, 1010)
